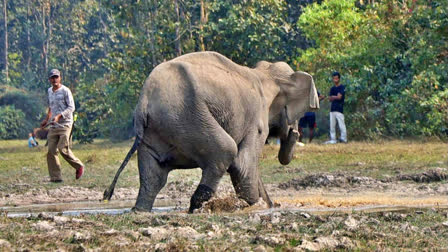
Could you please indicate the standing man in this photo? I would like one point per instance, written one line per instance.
(60, 119)
(337, 97)
(308, 120)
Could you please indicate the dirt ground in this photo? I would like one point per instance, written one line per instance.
(314, 190)
(334, 208)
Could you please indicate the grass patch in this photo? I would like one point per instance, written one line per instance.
(22, 168)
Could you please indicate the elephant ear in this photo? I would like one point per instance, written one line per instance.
(301, 96)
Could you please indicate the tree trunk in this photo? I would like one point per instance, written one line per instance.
(28, 38)
(177, 40)
(5, 20)
(44, 44)
(153, 15)
(201, 25)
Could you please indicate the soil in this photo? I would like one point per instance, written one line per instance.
(313, 190)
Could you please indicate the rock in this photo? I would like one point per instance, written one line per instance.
(161, 233)
(271, 240)
(351, 223)
(60, 220)
(44, 216)
(295, 227)
(82, 237)
(305, 215)
(161, 247)
(5, 245)
(275, 218)
(260, 248)
(310, 246)
(255, 219)
(43, 226)
(156, 233)
(77, 220)
(110, 232)
(327, 242)
(189, 233)
(345, 243)
(445, 223)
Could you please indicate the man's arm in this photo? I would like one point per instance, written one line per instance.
(70, 106)
(336, 97)
(44, 122)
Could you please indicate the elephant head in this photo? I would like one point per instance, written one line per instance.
(290, 94)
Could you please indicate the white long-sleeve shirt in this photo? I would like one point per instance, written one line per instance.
(61, 102)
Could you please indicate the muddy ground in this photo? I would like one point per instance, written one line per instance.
(309, 216)
(427, 187)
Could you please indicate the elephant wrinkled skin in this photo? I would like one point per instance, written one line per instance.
(203, 110)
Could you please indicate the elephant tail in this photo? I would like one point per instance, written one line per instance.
(110, 191)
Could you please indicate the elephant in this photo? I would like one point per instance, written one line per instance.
(203, 110)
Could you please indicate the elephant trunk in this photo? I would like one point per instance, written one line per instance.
(287, 145)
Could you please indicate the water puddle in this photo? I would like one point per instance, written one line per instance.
(124, 206)
(84, 207)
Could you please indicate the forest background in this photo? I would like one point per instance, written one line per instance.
(392, 54)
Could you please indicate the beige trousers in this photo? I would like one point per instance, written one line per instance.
(58, 141)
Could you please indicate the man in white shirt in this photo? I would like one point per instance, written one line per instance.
(60, 118)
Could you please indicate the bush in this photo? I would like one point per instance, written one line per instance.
(12, 123)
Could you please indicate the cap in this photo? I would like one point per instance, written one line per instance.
(54, 72)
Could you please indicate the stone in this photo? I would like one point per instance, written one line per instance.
(327, 242)
(275, 218)
(156, 233)
(351, 223)
(189, 233)
(260, 248)
(310, 246)
(110, 232)
(60, 220)
(5, 245)
(81, 237)
(305, 215)
(43, 226)
(255, 219)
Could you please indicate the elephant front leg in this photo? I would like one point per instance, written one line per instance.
(249, 187)
(245, 176)
(152, 179)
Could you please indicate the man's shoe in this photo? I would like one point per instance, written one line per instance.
(56, 180)
(330, 142)
(79, 172)
(342, 141)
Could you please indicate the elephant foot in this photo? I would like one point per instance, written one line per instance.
(143, 204)
(137, 209)
(203, 193)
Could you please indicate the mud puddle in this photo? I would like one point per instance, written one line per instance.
(84, 207)
(308, 204)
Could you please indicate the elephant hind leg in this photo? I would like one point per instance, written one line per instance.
(153, 178)
(211, 175)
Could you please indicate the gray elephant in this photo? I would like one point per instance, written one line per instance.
(203, 110)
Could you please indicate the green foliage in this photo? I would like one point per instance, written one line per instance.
(392, 54)
(30, 104)
(248, 31)
(392, 59)
(12, 123)
(22, 111)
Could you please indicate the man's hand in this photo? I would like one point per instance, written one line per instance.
(43, 123)
(57, 117)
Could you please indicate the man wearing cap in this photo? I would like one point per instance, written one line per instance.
(60, 119)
